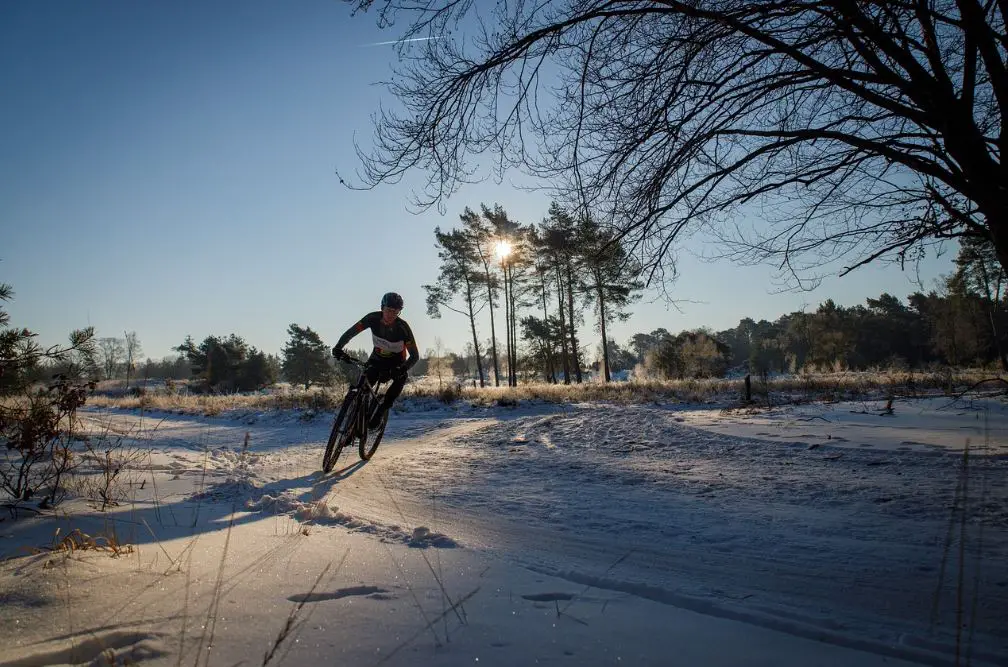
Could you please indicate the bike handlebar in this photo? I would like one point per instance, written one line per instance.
(346, 358)
(362, 365)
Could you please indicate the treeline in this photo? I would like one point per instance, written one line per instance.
(963, 324)
(533, 286)
(545, 278)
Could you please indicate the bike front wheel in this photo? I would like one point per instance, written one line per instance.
(342, 432)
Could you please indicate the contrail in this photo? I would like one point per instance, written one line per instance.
(401, 41)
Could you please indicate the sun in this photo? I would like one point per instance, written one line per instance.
(502, 249)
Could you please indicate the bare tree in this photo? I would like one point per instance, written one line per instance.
(854, 131)
(111, 352)
(133, 352)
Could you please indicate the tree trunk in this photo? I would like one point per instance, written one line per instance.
(507, 322)
(602, 316)
(563, 328)
(493, 336)
(514, 328)
(551, 373)
(472, 325)
(570, 317)
(992, 316)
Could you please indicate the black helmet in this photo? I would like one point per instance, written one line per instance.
(392, 300)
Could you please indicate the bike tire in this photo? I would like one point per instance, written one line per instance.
(370, 442)
(342, 425)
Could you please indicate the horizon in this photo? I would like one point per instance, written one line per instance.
(172, 170)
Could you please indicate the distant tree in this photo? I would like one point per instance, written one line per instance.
(701, 355)
(611, 277)
(642, 343)
(980, 271)
(894, 332)
(258, 370)
(175, 368)
(832, 335)
(691, 354)
(480, 235)
(274, 368)
(543, 337)
(620, 358)
(510, 237)
(559, 249)
(111, 353)
(542, 282)
(306, 358)
(437, 364)
(133, 352)
(458, 364)
(459, 280)
(961, 331)
(227, 364)
(663, 361)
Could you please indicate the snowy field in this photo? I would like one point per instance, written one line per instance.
(585, 534)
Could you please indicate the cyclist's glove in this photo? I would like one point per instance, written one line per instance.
(339, 353)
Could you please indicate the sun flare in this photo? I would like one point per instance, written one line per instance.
(502, 249)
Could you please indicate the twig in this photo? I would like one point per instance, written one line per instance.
(289, 625)
(956, 397)
(409, 640)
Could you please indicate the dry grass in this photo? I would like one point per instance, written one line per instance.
(779, 389)
(77, 540)
(281, 397)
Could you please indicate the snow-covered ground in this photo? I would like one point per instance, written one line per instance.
(587, 534)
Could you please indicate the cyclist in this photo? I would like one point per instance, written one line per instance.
(395, 350)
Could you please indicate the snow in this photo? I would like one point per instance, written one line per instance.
(578, 534)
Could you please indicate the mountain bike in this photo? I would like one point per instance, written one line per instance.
(352, 420)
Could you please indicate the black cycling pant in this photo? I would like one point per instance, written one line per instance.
(381, 370)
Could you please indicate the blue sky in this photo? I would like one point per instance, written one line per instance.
(168, 168)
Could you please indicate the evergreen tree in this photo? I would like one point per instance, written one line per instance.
(227, 364)
(981, 273)
(611, 279)
(306, 358)
(481, 237)
(21, 356)
(460, 278)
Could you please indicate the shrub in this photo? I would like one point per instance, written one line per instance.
(38, 431)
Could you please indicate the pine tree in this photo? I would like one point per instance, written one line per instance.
(611, 277)
(306, 358)
(460, 278)
(20, 354)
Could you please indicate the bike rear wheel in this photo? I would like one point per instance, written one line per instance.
(342, 431)
(372, 438)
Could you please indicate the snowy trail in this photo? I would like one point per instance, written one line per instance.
(834, 544)
(816, 561)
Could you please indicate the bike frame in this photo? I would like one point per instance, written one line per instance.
(367, 396)
(354, 417)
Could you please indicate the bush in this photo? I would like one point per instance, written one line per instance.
(450, 393)
(37, 431)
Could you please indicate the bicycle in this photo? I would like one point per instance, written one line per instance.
(352, 420)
